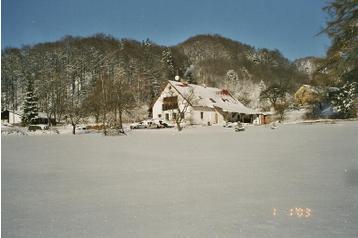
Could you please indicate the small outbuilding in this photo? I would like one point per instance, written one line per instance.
(11, 117)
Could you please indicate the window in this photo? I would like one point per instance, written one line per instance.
(159, 115)
(201, 115)
(167, 116)
(174, 115)
(170, 103)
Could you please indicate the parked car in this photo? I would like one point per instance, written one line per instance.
(230, 124)
(161, 123)
(138, 125)
(166, 124)
(151, 124)
(38, 127)
(154, 125)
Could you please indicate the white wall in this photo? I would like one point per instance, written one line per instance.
(169, 91)
(14, 118)
(211, 116)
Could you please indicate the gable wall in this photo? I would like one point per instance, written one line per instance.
(167, 92)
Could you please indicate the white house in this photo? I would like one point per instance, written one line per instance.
(205, 105)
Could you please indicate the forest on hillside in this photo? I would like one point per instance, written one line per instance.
(93, 72)
(76, 77)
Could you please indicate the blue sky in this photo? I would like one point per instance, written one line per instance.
(287, 25)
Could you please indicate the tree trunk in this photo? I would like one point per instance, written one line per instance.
(48, 119)
(104, 124)
(55, 118)
(97, 117)
(121, 130)
(115, 115)
(120, 119)
(73, 128)
(179, 126)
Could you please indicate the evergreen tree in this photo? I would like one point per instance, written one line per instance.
(189, 74)
(342, 28)
(343, 100)
(30, 105)
(155, 88)
(152, 72)
(167, 59)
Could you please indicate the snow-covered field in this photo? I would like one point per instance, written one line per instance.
(202, 182)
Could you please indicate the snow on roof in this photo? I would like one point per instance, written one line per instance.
(211, 97)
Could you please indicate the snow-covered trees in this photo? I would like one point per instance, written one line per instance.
(343, 99)
(75, 110)
(122, 96)
(12, 78)
(89, 61)
(30, 108)
(167, 59)
(69, 75)
(151, 72)
(231, 77)
(243, 88)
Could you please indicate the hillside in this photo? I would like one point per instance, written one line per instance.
(213, 56)
(307, 65)
(55, 68)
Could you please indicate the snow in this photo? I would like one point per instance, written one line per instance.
(8, 129)
(306, 65)
(295, 115)
(12, 130)
(201, 182)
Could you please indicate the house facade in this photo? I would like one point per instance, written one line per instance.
(201, 105)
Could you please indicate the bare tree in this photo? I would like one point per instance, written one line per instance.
(274, 94)
(281, 109)
(184, 102)
(277, 96)
(75, 109)
(119, 98)
(76, 115)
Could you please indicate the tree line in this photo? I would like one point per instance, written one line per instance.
(75, 78)
(335, 79)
